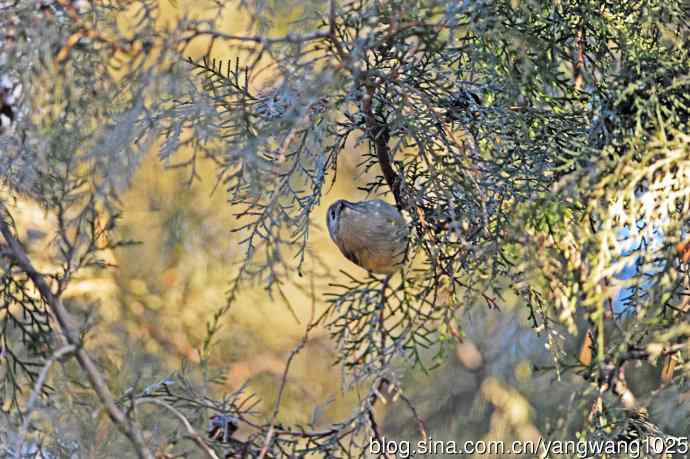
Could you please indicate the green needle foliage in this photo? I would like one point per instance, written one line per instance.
(537, 149)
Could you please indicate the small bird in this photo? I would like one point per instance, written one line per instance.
(372, 234)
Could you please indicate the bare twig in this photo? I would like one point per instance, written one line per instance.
(266, 41)
(190, 430)
(283, 382)
(421, 425)
(36, 392)
(377, 394)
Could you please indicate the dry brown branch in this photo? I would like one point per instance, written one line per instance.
(378, 133)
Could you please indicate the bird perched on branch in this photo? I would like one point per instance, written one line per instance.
(372, 234)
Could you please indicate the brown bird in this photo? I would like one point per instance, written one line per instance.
(372, 234)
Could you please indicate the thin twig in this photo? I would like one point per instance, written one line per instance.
(266, 41)
(421, 425)
(190, 430)
(283, 382)
(332, 32)
(377, 394)
(36, 392)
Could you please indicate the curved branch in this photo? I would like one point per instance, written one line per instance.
(379, 134)
(181, 417)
